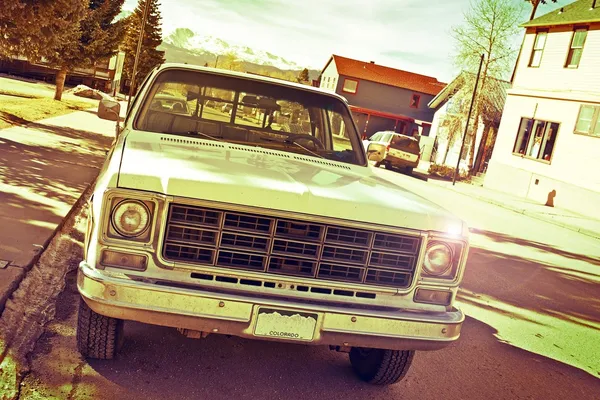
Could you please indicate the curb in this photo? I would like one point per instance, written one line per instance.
(27, 267)
(583, 231)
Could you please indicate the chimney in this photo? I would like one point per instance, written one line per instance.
(373, 62)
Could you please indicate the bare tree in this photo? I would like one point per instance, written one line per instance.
(489, 28)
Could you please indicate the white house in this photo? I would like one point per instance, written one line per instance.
(548, 142)
(452, 101)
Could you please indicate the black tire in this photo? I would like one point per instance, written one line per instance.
(381, 367)
(408, 170)
(377, 164)
(98, 336)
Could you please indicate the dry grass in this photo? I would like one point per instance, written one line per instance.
(17, 109)
(22, 102)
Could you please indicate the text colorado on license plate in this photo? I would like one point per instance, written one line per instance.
(285, 324)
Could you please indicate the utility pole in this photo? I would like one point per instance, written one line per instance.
(468, 121)
(216, 61)
(137, 53)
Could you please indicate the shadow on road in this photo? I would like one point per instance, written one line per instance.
(535, 300)
(504, 238)
(47, 162)
(43, 170)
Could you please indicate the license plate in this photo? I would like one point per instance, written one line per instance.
(403, 155)
(281, 324)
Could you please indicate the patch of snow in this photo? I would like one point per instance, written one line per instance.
(88, 92)
(210, 45)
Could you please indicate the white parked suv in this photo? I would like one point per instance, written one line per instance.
(397, 151)
(263, 221)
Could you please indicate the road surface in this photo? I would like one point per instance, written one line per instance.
(531, 293)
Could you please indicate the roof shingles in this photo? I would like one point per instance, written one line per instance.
(578, 12)
(388, 76)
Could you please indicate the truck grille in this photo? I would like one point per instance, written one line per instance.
(281, 246)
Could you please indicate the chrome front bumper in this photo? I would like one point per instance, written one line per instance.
(210, 312)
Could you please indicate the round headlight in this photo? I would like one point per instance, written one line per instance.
(438, 259)
(131, 218)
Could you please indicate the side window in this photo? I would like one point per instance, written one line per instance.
(376, 137)
(216, 104)
(415, 100)
(535, 139)
(256, 111)
(538, 49)
(350, 86)
(576, 48)
(588, 121)
(136, 97)
(173, 98)
(388, 137)
(341, 130)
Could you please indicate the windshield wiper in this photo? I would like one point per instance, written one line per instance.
(269, 139)
(204, 135)
(287, 141)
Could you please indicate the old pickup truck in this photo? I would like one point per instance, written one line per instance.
(246, 206)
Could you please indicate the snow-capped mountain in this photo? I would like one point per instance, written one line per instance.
(205, 45)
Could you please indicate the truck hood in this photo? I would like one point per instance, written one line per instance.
(268, 179)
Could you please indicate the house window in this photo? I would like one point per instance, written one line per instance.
(538, 49)
(350, 85)
(415, 100)
(576, 49)
(588, 122)
(536, 139)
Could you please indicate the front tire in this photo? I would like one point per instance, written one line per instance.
(381, 367)
(98, 336)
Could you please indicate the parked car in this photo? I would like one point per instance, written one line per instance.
(399, 151)
(227, 108)
(171, 103)
(216, 226)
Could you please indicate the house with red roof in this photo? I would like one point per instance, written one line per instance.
(382, 98)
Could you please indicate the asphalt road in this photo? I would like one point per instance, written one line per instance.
(531, 291)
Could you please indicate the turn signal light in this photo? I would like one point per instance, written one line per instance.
(119, 259)
(430, 296)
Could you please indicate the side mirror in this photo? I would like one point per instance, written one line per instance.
(109, 110)
(376, 152)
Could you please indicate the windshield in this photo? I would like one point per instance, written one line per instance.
(242, 111)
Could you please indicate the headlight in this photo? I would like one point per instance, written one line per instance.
(130, 218)
(438, 259)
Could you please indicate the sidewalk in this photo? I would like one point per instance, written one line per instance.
(557, 216)
(564, 218)
(45, 166)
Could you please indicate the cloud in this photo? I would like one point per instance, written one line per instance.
(405, 34)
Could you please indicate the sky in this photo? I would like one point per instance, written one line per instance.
(413, 35)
